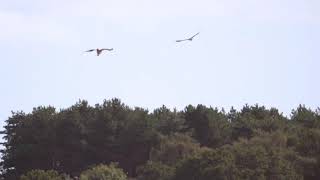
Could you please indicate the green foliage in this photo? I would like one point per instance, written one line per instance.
(174, 148)
(197, 143)
(155, 171)
(253, 118)
(210, 164)
(41, 175)
(306, 117)
(77, 137)
(104, 172)
(258, 158)
(168, 122)
(210, 126)
(263, 158)
(29, 141)
(309, 142)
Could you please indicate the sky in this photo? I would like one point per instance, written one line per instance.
(248, 51)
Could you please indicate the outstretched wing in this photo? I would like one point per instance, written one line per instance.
(107, 49)
(90, 50)
(181, 40)
(195, 35)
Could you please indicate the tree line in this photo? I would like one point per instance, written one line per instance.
(114, 141)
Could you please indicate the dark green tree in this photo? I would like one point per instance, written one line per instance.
(168, 122)
(306, 117)
(210, 164)
(173, 148)
(253, 118)
(41, 175)
(155, 171)
(29, 142)
(209, 126)
(104, 172)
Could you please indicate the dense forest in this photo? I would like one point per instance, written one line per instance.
(116, 142)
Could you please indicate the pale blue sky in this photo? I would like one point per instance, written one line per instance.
(248, 51)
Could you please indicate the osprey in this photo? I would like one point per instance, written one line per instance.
(99, 50)
(189, 39)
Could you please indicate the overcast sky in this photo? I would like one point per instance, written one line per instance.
(248, 51)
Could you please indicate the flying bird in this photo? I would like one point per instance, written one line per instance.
(99, 51)
(189, 39)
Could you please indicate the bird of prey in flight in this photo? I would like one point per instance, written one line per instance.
(99, 51)
(189, 39)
